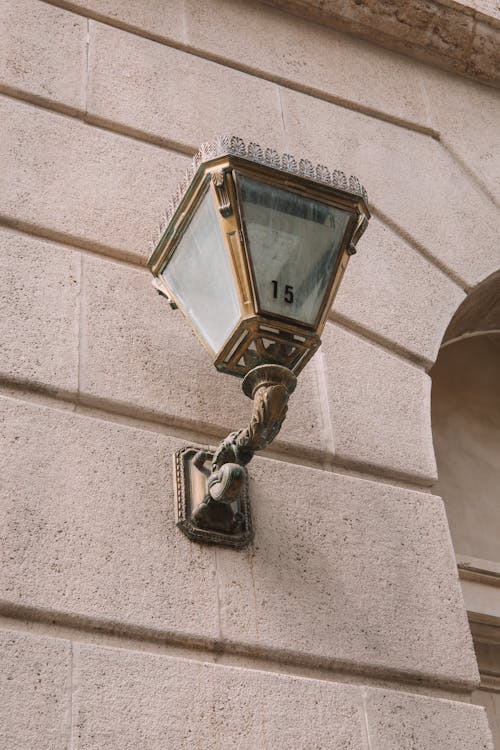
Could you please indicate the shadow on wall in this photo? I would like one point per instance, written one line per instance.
(466, 422)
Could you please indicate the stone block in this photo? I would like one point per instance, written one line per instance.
(409, 177)
(393, 291)
(75, 180)
(175, 96)
(399, 721)
(467, 114)
(282, 47)
(35, 681)
(159, 19)
(347, 573)
(43, 52)
(130, 700)
(137, 351)
(39, 290)
(379, 406)
(91, 526)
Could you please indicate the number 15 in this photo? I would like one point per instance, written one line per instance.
(288, 295)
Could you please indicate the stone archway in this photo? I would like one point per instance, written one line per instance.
(466, 431)
(466, 422)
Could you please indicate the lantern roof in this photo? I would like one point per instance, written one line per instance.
(232, 145)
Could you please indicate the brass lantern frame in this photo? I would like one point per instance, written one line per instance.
(267, 349)
(259, 337)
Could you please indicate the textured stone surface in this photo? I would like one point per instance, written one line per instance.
(467, 114)
(390, 289)
(75, 179)
(133, 700)
(43, 51)
(137, 351)
(39, 289)
(35, 681)
(379, 406)
(164, 20)
(175, 96)
(283, 47)
(91, 525)
(409, 176)
(405, 722)
(447, 34)
(347, 572)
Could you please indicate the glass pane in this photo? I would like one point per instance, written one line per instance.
(294, 243)
(200, 276)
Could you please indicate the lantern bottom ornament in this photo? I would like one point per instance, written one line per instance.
(212, 503)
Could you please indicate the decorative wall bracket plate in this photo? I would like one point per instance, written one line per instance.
(200, 517)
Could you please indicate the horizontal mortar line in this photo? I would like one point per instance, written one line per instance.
(106, 633)
(247, 69)
(361, 333)
(121, 128)
(73, 242)
(104, 252)
(381, 474)
(422, 363)
(142, 419)
(419, 248)
(99, 123)
(43, 102)
(471, 173)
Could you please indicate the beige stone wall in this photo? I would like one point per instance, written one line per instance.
(343, 626)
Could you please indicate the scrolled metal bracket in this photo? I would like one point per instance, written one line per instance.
(212, 503)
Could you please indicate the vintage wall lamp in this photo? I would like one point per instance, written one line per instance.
(253, 252)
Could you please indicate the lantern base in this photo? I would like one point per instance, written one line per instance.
(199, 516)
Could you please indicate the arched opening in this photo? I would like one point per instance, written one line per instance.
(466, 431)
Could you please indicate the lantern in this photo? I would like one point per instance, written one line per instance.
(254, 250)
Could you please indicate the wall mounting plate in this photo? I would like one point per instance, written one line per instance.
(192, 467)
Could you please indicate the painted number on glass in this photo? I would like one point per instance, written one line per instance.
(287, 295)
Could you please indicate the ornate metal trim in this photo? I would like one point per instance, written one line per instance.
(232, 145)
(219, 182)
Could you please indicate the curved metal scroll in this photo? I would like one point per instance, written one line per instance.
(270, 387)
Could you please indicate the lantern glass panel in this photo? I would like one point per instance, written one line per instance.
(294, 244)
(200, 277)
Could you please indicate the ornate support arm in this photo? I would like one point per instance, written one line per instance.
(269, 386)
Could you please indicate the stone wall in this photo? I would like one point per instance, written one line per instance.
(343, 626)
